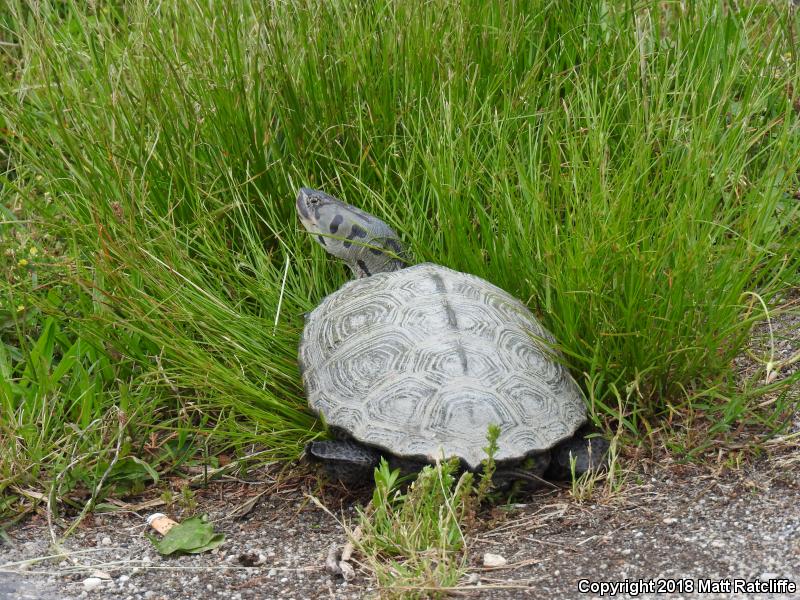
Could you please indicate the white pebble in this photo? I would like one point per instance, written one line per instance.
(669, 520)
(493, 560)
(106, 541)
(92, 583)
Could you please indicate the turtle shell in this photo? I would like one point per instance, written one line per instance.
(419, 362)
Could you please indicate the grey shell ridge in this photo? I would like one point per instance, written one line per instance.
(419, 362)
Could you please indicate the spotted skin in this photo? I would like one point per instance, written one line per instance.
(356, 233)
(364, 242)
(363, 268)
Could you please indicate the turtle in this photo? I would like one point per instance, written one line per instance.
(414, 363)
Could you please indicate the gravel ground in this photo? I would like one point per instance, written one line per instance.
(670, 523)
(677, 523)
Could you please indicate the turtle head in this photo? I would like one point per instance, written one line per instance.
(364, 242)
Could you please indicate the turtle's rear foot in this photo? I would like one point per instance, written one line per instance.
(587, 454)
(344, 460)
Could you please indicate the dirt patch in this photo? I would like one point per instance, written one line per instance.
(678, 524)
(675, 522)
(284, 532)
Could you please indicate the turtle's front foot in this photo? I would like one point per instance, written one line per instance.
(346, 461)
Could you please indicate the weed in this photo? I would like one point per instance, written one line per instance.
(413, 540)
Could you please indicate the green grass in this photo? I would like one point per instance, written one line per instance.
(627, 169)
(413, 541)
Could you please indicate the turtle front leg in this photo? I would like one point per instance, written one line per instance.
(588, 454)
(345, 460)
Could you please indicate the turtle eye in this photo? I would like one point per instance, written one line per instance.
(313, 201)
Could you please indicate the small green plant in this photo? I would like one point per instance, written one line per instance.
(168, 497)
(414, 541)
(585, 486)
(187, 499)
(487, 472)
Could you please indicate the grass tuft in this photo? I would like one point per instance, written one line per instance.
(413, 541)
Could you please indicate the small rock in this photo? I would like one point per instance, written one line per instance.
(106, 541)
(493, 560)
(92, 583)
(100, 575)
(768, 576)
(123, 578)
(669, 520)
(473, 578)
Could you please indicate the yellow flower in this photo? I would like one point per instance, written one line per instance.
(22, 262)
(20, 308)
(33, 251)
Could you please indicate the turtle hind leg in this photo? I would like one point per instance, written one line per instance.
(589, 453)
(344, 460)
(528, 474)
